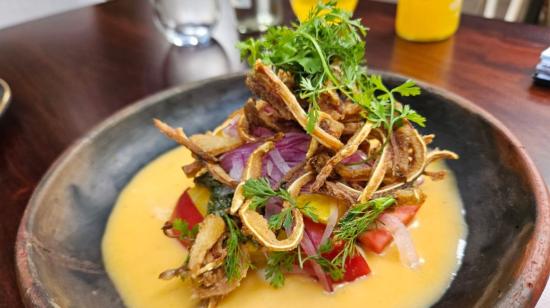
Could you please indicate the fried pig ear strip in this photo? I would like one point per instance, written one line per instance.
(179, 136)
(210, 231)
(252, 170)
(419, 154)
(220, 175)
(263, 82)
(350, 148)
(259, 228)
(376, 177)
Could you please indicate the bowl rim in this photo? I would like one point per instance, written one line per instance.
(529, 278)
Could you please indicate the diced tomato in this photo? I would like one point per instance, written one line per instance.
(405, 212)
(185, 209)
(378, 239)
(355, 266)
(375, 240)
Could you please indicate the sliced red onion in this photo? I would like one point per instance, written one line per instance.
(289, 152)
(261, 132)
(310, 250)
(237, 168)
(331, 222)
(278, 160)
(356, 157)
(231, 129)
(402, 239)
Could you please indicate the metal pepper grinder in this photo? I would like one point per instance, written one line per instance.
(257, 15)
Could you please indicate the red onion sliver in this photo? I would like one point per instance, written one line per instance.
(310, 250)
(278, 160)
(331, 222)
(402, 239)
(237, 169)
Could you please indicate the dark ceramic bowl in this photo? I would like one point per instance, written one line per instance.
(507, 208)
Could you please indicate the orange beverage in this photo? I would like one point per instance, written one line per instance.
(302, 7)
(427, 20)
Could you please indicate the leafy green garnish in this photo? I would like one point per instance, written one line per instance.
(356, 221)
(326, 53)
(183, 229)
(233, 264)
(279, 262)
(383, 109)
(221, 195)
(259, 191)
(327, 48)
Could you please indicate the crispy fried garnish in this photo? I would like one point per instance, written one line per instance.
(210, 231)
(265, 84)
(216, 144)
(220, 175)
(376, 177)
(350, 148)
(192, 169)
(340, 191)
(258, 226)
(179, 136)
(252, 170)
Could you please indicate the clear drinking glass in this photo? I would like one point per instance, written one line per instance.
(257, 15)
(186, 22)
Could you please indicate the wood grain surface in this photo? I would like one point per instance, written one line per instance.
(70, 71)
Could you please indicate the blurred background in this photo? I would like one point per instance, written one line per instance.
(13, 12)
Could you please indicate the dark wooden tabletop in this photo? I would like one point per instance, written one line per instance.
(70, 71)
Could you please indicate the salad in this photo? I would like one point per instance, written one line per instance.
(320, 164)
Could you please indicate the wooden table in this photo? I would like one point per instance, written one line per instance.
(68, 72)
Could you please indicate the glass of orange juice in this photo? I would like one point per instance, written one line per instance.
(302, 7)
(427, 20)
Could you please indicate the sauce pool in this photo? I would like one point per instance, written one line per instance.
(135, 251)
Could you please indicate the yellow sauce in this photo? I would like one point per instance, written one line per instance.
(135, 251)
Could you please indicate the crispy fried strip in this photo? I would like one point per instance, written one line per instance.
(350, 148)
(220, 175)
(210, 230)
(376, 177)
(242, 129)
(179, 136)
(252, 170)
(237, 113)
(419, 151)
(428, 138)
(292, 104)
(440, 154)
(259, 228)
(312, 148)
(193, 168)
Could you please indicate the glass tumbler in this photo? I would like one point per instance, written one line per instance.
(186, 22)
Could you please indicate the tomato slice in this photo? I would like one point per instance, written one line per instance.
(378, 239)
(355, 266)
(186, 210)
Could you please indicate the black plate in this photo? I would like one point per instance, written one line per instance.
(58, 248)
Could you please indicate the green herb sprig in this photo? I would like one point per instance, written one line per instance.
(233, 264)
(356, 221)
(279, 262)
(381, 105)
(327, 48)
(182, 227)
(260, 191)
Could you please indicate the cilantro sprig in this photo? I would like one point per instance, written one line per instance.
(279, 262)
(182, 227)
(259, 191)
